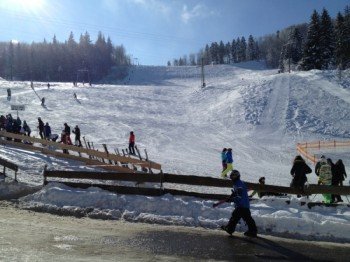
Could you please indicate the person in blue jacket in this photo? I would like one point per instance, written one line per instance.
(223, 159)
(229, 162)
(242, 208)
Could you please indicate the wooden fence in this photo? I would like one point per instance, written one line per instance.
(9, 165)
(126, 164)
(302, 148)
(156, 188)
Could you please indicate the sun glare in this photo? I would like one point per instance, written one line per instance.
(28, 5)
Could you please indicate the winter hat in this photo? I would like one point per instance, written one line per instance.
(235, 174)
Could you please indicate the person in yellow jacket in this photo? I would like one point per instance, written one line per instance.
(325, 177)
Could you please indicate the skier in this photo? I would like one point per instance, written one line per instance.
(242, 208)
(132, 143)
(64, 141)
(76, 131)
(41, 128)
(47, 131)
(298, 172)
(26, 128)
(229, 161)
(67, 132)
(338, 178)
(318, 165)
(43, 101)
(224, 159)
(8, 94)
(325, 177)
(75, 96)
(2, 122)
(48, 85)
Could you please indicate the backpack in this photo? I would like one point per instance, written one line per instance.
(325, 174)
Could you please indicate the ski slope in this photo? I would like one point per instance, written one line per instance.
(260, 114)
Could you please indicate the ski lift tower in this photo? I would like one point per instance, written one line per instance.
(202, 74)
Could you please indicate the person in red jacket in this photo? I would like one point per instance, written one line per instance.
(132, 143)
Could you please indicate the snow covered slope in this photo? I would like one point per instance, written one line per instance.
(257, 112)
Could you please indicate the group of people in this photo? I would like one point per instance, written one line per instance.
(328, 174)
(12, 125)
(45, 133)
(227, 161)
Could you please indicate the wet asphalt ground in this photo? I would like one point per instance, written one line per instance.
(32, 236)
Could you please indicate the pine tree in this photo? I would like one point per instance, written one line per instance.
(234, 51)
(339, 41)
(312, 57)
(228, 53)
(221, 52)
(327, 41)
(295, 42)
(346, 39)
(243, 49)
(251, 49)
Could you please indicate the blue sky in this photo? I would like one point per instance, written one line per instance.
(155, 31)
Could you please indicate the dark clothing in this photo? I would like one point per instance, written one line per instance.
(67, 129)
(299, 171)
(47, 131)
(41, 128)
(338, 176)
(240, 197)
(132, 148)
(339, 173)
(237, 214)
(317, 168)
(76, 131)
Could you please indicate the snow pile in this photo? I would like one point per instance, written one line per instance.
(272, 215)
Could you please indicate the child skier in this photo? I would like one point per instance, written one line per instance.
(242, 208)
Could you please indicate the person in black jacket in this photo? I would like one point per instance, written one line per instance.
(338, 176)
(298, 172)
(76, 131)
(41, 128)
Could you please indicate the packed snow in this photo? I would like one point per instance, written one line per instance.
(257, 112)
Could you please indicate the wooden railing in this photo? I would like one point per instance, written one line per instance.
(9, 165)
(89, 156)
(164, 178)
(302, 148)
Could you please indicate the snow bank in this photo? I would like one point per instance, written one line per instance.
(272, 215)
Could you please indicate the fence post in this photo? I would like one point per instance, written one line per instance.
(44, 175)
(335, 144)
(319, 144)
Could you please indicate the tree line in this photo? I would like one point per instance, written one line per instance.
(61, 61)
(324, 43)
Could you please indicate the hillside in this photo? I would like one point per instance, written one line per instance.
(257, 112)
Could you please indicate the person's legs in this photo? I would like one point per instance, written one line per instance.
(228, 169)
(235, 217)
(247, 217)
(131, 148)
